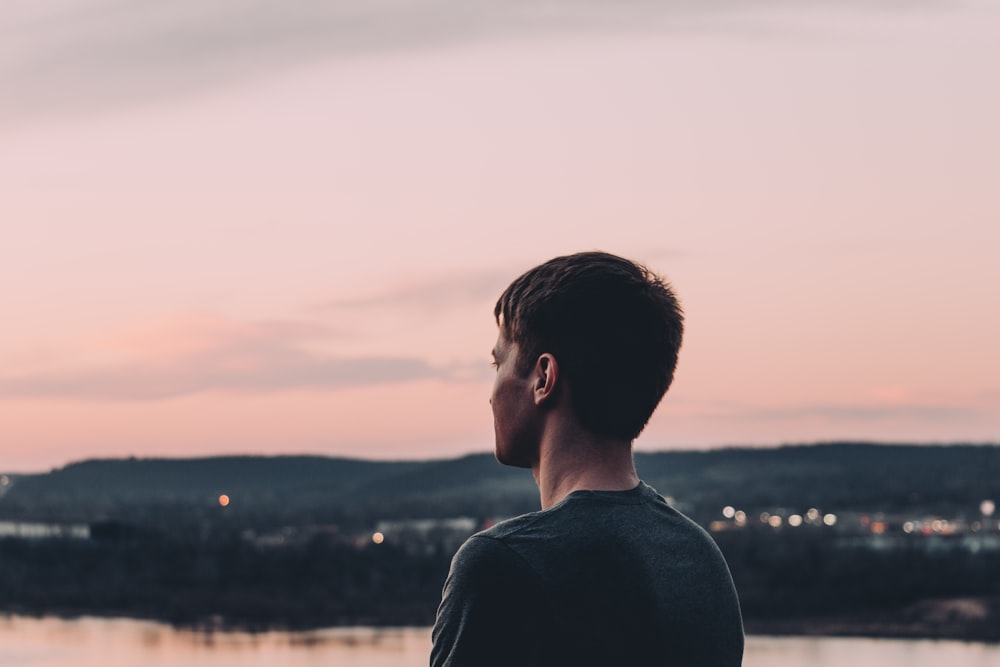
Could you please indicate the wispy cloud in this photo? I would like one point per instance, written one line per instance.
(60, 55)
(212, 354)
(872, 413)
(432, 296)
(913, 411)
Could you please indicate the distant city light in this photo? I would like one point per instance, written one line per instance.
(908, 527)
(741, 517)
(729, 511)
(829, 519)
(224, 500)
(774, 521)
(795, 520)
(812, 515)
(378, 538)
(764, 517)
(987, 507)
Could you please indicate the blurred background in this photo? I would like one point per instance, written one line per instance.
(272, 235)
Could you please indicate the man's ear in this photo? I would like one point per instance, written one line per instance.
(546, 374)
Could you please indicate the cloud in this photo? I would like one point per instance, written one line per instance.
(65, 55)
(855, 413)
(433, 296)
(910, 411)
(212, 354)
(844, 413)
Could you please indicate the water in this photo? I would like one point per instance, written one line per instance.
(91, 642)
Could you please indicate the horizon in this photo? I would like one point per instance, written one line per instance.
(244, 230)
(453, 457)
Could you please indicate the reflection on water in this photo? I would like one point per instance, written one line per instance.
(857, 652)
(92, 642)
(95, 642)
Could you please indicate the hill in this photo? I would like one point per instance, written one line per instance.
(950, 479)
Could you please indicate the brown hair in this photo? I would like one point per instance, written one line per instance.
(614, 326)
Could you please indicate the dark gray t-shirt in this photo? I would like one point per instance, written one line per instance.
(603, 578)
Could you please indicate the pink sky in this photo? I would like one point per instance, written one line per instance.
(253, 230)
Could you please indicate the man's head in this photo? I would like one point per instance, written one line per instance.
(613, 327)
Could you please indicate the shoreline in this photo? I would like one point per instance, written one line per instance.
(956, 619)
(965, 619)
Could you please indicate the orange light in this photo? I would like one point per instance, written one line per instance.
(378, 538)
(224, 500)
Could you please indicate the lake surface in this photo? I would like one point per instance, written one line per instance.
(92, 642)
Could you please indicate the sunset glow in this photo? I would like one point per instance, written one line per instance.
(294, 244)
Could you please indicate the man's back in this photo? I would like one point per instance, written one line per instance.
(601, 578)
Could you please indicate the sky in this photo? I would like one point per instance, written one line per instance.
(262, 227)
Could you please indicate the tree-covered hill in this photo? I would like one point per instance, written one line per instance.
(949, 479)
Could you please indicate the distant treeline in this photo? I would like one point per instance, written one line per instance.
(297, 490)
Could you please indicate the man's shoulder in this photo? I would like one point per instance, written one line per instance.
(507, 528)
(534, 530)
(484, 556)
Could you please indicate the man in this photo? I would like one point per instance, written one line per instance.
(606, 573)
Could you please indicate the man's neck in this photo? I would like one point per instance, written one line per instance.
(583, 461)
